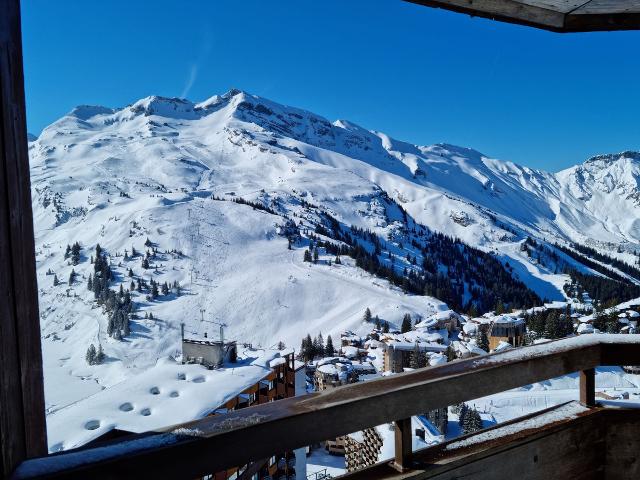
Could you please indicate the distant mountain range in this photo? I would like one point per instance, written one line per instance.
(227, 194)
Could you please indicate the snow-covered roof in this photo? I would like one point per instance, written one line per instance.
(422, 346)
(584, 328)
(277, 361)
(350, 352)
(470, 328)
(503, 346)
(437, 359)
(166, 394)
(507, 320)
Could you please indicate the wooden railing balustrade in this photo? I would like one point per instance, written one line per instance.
(213, 443)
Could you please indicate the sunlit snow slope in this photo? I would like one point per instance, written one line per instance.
(152, 170)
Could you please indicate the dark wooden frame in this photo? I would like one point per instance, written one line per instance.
(213, 443)
(22, 415)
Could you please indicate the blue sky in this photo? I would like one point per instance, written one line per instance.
(418, 74)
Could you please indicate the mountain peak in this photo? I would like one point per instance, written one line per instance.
(164, 106)
(85, 112)
(610, 158)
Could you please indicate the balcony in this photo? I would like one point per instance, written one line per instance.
(576, 439)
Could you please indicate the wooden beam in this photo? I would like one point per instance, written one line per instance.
(403, 444)
(588, 387)
(562, 16)
(568, 447)
(22, 416)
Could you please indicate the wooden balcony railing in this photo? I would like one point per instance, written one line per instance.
(214, 443)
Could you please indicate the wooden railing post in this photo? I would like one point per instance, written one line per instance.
(588, 387)
(403, 444)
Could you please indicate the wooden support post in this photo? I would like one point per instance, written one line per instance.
(22, 419)
(404, 445)
(588, 387)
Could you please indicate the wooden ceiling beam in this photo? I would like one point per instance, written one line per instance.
(562, 16)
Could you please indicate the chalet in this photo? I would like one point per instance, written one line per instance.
(209, 353)
(334, 372)
(507, 329)
(397, 354)
(350, 339)
(467, 349)
(443, 320)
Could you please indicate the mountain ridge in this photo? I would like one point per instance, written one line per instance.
(224, 196)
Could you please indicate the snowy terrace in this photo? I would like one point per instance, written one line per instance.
(564, 439)
(168, 394)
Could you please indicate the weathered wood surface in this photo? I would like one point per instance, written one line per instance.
(22, 419)
(213, 443)
(555, 15)
(622, 444)
(570, 448)
(588, 387)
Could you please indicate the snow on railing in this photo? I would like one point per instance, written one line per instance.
(214, 443)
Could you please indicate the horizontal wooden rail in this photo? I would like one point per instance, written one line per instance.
(214, 443)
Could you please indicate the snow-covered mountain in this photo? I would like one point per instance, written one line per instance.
(229, 192)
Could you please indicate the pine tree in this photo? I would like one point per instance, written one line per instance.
(329, 350)
(472, 421)
(406, 323)
(145, 263)
(72, 276)
(99, 355)
(320, 350)
(337, 261)
(91, 355)
(414, 359)
(281, 345)
(154, 290)
(56, 282)
(483, 341)
(130, 272)
(75, 253)
(307, 256)
(90, 283)
(132, 287)
(315, 255)
(303, 349)
(165, 289)
(377, 323)
(451, 354)
(309, 353)
(385, 327)
(367, 315)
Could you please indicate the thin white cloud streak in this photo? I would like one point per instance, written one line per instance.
(206, 47)
(193, 74)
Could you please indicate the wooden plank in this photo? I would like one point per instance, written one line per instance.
(299, 421)
(573, 447)
(622, 444)
(608, 7)
(22, 418)
(588, 387)
(510, 11)
(403, 444)
(555, 15)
